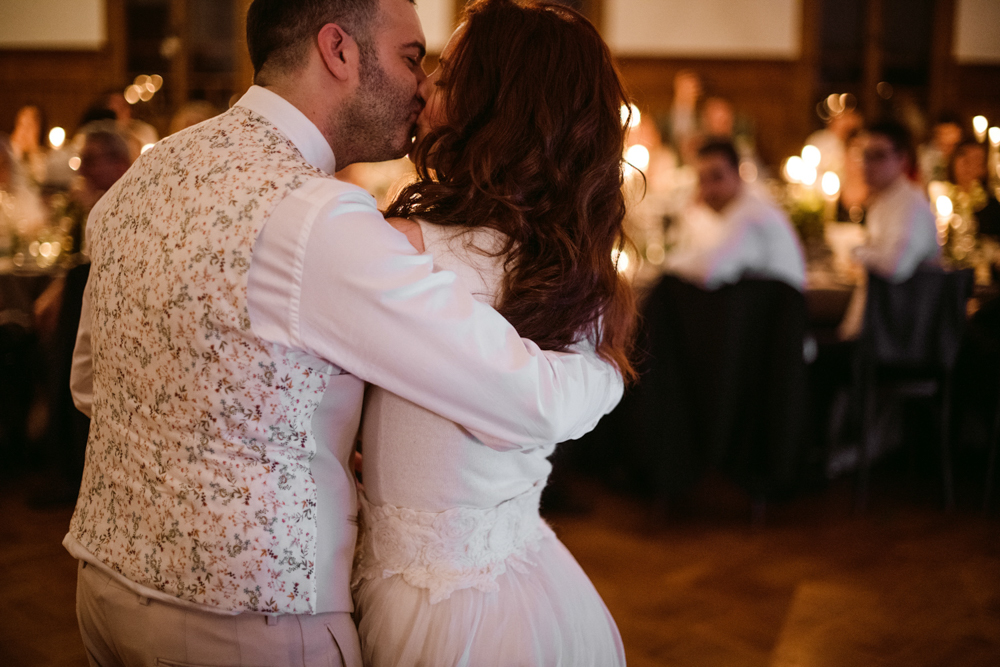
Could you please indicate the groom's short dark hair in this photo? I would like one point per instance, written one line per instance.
(279, 31)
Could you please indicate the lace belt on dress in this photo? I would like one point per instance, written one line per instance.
(448, 551)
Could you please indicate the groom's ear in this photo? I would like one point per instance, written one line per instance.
(339, 51)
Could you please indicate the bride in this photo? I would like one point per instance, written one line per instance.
(519, 161)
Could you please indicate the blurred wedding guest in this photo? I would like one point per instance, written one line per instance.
(96, 113)
(853, 189)
(900, 224)
(104, 158)
(681, 127)
(191, 113)
(971, 197)
(22, 212)
(144, 133)
(719, 121)
(718, 118)
(935, 156)
(832, 141)
(28, 141)
(732, 232)
(901, 230)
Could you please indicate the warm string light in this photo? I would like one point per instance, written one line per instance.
(637, 156)
(635, 118)
(143, 88)
(620, 259)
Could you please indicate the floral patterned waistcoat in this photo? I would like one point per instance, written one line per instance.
(197, 479)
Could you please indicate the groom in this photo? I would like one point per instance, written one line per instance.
(240, 298)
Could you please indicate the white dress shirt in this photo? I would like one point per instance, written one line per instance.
(901, 232)
(749, 238)
(329, 278)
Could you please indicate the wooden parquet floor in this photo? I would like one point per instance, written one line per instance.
(905, 585)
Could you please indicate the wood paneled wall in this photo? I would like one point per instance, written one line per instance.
(778, 95)
(64, 83)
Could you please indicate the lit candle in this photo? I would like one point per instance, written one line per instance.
(830, 184)
(57, 136)
(979, 125)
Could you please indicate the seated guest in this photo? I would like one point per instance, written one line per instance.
(853, 189)
(104, 158)
(28, 142)
(143, 132)
(972, 198)
(23, 214)
(732, 232)
(192, 113)
(680, 128)
(936, 154)
(901, 230)
(719, 121)
(833, 139)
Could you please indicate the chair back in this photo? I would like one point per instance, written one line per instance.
(917, 323)
(723, 383)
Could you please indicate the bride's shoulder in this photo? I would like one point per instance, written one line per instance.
(461, 240)
(472, 252)
(411, 229)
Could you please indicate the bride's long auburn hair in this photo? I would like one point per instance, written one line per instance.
(532, 147)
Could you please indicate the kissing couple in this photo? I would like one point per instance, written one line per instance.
(242, 299)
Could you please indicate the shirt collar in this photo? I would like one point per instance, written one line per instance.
(294, 124)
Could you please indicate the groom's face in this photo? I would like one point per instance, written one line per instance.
(382, 117)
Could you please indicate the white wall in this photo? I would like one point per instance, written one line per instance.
(52, 24)
(438, 19)
(977, 32)
(706, 28)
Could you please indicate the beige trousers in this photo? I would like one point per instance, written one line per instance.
(121, 629)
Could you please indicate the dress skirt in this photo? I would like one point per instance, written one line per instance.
(545, 612)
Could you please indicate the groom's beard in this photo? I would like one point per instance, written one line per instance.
(380, 120)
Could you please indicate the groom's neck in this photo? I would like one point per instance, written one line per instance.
(306, 96)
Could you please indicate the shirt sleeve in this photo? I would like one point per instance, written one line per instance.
(81, 377)
(330, 277)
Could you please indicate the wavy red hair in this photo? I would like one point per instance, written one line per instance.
(532, 147)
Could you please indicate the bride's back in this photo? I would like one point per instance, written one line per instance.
(414, 458)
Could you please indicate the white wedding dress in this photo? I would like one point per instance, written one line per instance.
(454, 564)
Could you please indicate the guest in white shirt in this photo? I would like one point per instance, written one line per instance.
(901, 230)
(732, 233)
(240, 299)
(900, 224)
